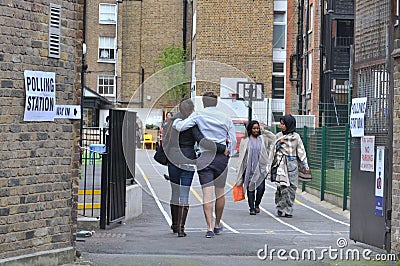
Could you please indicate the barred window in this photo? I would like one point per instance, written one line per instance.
(373, 83)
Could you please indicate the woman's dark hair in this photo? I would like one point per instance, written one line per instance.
(210, 99)
(186, 107)
(250, 126)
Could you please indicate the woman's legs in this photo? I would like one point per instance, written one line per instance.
(185, 183)
(173, 172)
(259, 195)
(250, 199)
(285, 196)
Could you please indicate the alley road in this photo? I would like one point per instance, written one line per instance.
(147, 240)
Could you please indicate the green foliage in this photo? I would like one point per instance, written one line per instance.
(171, 60)
(172, 55)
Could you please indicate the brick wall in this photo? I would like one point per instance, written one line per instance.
(395, 237)
(93, 31)
(39, 161)
(291, 97)
(237, 33)
(148, 27)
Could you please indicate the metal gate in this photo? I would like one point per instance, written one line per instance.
(371, 204)
(117, 165)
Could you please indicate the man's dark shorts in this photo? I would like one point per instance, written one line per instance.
(214, 173)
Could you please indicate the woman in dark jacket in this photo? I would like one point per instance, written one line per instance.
(180, 150)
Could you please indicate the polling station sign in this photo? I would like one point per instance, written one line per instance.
(40, 102)
(357, 116)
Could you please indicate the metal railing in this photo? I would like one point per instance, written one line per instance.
(328, 155)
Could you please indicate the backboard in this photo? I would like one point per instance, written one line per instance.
(247, 90)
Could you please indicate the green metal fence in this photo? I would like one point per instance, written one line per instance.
(328, 157)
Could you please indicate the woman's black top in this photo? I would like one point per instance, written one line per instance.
(179, 146)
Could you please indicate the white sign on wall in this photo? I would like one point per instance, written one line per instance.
(68, 111)
(367, 153)
(40, 101)
(380, 170)
(358, 108)
(379, 180)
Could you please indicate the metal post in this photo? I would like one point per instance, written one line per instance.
(346, 168)
(350, 89)
(142, 89)
(250, 103)
(104, 190)
(323, 162)
(303, 186)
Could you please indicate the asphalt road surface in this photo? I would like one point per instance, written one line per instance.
(318, 233)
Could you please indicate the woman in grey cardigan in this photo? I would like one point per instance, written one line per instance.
(289, 149)
(253, 160)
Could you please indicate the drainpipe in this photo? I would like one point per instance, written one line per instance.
(184, 28)
(306, 55)
(84, 67)
(299, 53)
(321, 59)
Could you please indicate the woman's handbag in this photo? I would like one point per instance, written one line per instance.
(274, 170)
(237, 193)
(160, 156)
(304, 175)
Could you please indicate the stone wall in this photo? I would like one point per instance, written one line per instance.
(39, 161)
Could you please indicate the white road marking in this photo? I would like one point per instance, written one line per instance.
(166, 216)
(315, 210)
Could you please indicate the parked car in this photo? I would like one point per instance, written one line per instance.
(240, 130)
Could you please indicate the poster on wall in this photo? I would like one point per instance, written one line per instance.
(367, 153)
(40, 101)
(357, 114)
(379, 180)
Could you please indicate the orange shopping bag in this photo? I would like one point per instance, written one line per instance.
(238, 193)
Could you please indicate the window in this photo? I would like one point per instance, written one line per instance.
(107, 49)
(311, 19)
(279, 40)
(277, 67)
(278, 91)
(344, 32)
(54, 30)
(309, 73)
(106, 85)
(107, 14)
(278, 80)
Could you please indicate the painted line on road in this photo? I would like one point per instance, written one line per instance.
(166, 216)
(315, 210)
(282, 222)
(279, 220)
(201, 201)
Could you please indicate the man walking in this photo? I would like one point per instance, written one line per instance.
(212, 168)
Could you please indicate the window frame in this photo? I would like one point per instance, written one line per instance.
(111, 50)
(104, 13)
(279, 23)
(106, 77)
(278, 75)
